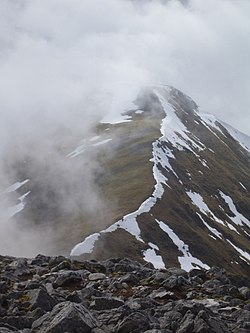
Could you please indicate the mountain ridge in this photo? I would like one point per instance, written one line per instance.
(180, 108)
(173, 183)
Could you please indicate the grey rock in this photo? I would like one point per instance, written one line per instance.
(134, 323)
(219, 273)
(161, 293)
(175, 282)
(68, 278)
(197, 273)
(94, 266)
(65, 264)
(170, 320)
(200, 326)
(39, 298)
(40, 260)
(97, 276)
(235, 302)
(217, 325)
(5, 330)
(187, 324)
(245, 292)
(106, 303)
(66, 317)
(178, 272)
(212, 284)
(19, 322)
(158, 331)
(159, 277)
(129, 278)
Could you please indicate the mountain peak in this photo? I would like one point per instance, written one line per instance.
(173, 189)
(198, 212)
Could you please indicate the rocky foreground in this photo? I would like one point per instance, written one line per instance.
(55, 294)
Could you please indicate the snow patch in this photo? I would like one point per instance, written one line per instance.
(241, 138)
(85, 247)
(87, 144)
(198, 201)
(150, 256)
(187, 261)
(16, 186)
(242, 186)
(209, 121)
(12, 211)
(213, 230)
(238, 218)
(101, 142)
(242, 253)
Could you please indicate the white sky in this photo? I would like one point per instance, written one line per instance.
(62, 61)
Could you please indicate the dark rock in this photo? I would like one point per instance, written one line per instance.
(3, 287)
(159, 277)
(69, 278)
(158, 331)
(40, 260)
(175, 282)
(161, 293)
(55, 261)
(235, 302)
(129, 278)
(178, 272)
(187, 323)
(94, 266)
(245, 292)
(96, 276)
(66, 317)
(39, 298)
(170, 320)
(134, 323)
(47, 295)
(105, 303)
(212, 284)
(19, 322)
(197, 273)
(65, 264)
(184, 306)
(219, 273)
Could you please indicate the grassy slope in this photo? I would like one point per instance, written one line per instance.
(227, 167)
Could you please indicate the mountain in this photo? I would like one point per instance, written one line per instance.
(174, 188)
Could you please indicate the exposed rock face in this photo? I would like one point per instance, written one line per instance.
(55, 295)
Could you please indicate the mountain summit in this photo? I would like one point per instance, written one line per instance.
(174, 184)
(197, 214)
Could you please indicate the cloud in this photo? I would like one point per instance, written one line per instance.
(66, 63)
(56, 54)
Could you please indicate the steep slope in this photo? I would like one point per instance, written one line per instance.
(169, 185)
(198, 213)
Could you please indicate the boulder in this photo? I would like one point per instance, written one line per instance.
(134, 323)
(106, 303)
(66, 317)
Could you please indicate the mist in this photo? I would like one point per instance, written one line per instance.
(66, 64)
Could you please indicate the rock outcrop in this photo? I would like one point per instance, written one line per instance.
(55, 294)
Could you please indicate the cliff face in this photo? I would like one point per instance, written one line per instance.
(55, 294)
